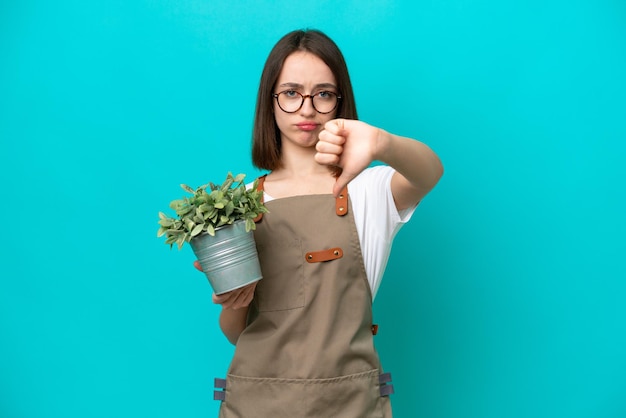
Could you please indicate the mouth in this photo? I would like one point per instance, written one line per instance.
(307, 126)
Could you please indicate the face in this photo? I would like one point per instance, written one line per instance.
(306, 74)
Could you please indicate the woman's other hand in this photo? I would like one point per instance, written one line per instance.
(235, 299)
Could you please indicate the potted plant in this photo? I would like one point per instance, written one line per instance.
(217, 221)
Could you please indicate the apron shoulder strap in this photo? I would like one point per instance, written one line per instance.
(341, 201)
(260, 189)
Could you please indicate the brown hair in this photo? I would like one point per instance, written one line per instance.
(266, 142)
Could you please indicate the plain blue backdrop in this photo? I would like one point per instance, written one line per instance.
(505, 296)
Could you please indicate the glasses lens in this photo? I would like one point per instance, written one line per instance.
(325, 101)
(289, 101)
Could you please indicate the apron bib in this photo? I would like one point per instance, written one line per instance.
(308, 348)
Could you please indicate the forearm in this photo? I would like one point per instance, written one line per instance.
(419, 166)
(233, 322)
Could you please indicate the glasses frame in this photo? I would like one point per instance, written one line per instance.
(304, 97)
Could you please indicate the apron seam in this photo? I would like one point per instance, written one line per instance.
(323, 380)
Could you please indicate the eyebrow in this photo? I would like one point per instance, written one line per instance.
(315, 87)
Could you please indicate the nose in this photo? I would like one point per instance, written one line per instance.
(307, 108)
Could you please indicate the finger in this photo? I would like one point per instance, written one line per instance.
(235, 301)
(242, 300)
(248, 294)
(241, 297)
(328, 148)
(225, 299)
(197, 265)
(327, 159)
(330, 137)
(219, 299)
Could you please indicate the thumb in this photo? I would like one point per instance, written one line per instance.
(342, 181)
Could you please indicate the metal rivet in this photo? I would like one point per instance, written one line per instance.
(340, 196)
(310, 256)
(336, 252)
(341, 209)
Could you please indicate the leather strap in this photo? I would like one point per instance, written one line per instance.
(260, 189)
(341, 202)
(324, 255)
(261, 182)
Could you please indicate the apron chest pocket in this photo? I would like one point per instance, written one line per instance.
(282, 286)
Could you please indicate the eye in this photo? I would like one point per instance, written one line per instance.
(325, 95)
(290, 93)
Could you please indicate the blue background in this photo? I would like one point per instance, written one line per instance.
(505, 295)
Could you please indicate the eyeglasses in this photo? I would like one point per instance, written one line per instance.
(290, 101)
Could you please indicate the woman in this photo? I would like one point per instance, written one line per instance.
(303, 334)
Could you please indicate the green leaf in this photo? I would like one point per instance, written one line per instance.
(177, 204)
(227, 183)
(188, 189)
(210, 230)
(205, 208)
(166, 222)
(184, 211)
(230, 207)
(250, 225)
(197, 230)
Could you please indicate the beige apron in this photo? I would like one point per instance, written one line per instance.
(308, 349)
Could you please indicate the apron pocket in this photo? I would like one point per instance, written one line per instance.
(353, 396)
(282, 287)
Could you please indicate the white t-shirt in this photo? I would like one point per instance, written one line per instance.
(376, 217)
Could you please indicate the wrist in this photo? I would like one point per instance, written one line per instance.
(383, 145)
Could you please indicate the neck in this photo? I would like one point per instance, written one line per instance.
(300, 162)
(299, 176)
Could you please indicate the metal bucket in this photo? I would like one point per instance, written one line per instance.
(229, 259)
